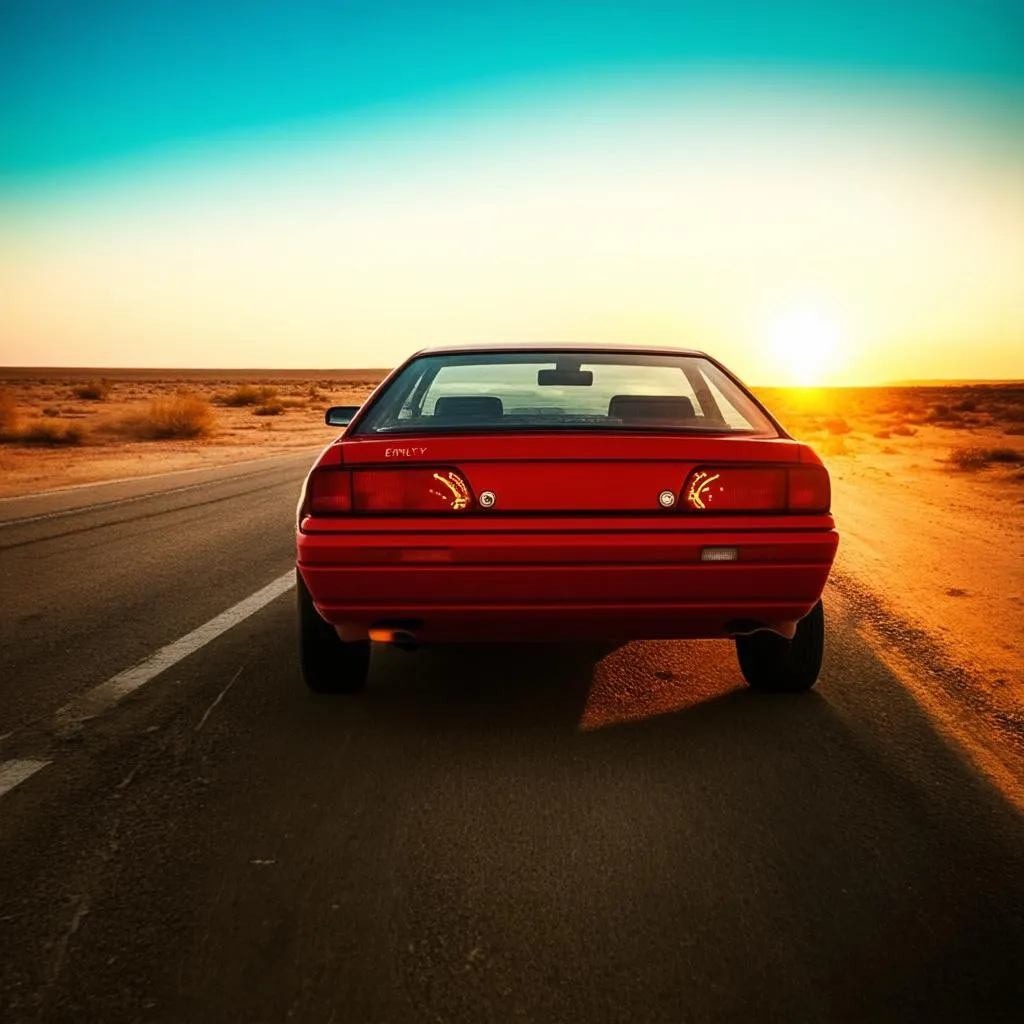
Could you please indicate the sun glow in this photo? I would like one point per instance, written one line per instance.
(806, 346)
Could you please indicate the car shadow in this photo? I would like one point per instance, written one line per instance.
(684, 822)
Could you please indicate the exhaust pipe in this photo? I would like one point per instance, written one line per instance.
(389, 635)
(399, 634)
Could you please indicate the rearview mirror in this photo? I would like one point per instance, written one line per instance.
(565, 378)
(340, 415)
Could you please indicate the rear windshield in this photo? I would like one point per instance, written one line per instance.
(510, 391)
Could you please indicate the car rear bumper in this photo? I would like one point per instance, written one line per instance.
(578, 584)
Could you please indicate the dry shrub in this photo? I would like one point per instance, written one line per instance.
(8, 415)
(1005, 455)
(837, 425)
(182, 416)
(833, 446)
(1014, 431)
(93, 391)
(943, 414)
(902, 430)
(41, 432)
(247, 394)
(270, 409)
(51, 411)
(883, 434)
(978, 458)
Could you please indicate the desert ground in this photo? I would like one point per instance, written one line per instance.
(64, 427)
(928, 491)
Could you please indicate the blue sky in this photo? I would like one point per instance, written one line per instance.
(93, 81)
(824, 190)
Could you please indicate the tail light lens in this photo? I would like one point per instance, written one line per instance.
(329, 492)
(430, 489)
(758, 489)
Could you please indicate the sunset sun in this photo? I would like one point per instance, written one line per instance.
(805, 345)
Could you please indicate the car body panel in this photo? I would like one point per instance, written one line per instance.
(576, 546)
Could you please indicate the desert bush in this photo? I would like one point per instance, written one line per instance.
(270, 409)
(182, 416)
(40, 432)
(51, 411)
(968, 458)
(978, 458)
(943, 414)
(93, 391)
(837, 426)
(8, 415)
(966, 405)
(1015, 431)
(884, 434)
(247, 394)
(1005, 455)
(902, 430)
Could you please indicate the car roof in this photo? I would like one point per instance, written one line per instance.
(583, 347)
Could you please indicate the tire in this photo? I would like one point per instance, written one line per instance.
(772, 664)
(329, 664)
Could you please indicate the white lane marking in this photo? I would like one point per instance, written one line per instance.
(106, 695)
(13, 773)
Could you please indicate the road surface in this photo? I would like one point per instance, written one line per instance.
(538, 834)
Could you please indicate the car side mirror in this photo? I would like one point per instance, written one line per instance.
(340, 415)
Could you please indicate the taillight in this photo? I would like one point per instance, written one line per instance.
(409, 490)
(810, 489)
(757, 489)
(329, 492)
(431, 489)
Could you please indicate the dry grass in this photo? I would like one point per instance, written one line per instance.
(43, 432)
(8, 415)
(92, 391)
(179, 416)
(134, 430)
(270, 409)
(977, 457)
(247, 394)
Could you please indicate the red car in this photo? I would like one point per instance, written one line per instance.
(561, 493)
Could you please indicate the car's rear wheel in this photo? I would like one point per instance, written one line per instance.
(772, 664)
(329, 664)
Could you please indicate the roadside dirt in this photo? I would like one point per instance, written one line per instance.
(284, 412)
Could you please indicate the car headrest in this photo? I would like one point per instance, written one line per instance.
(650, 407)
(486, 407)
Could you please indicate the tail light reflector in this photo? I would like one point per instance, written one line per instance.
(758, 489)
(427, 489)
(410, 490)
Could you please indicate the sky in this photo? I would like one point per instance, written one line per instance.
(815, 193)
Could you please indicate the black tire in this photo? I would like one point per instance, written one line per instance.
(329, 664)
(772, 664)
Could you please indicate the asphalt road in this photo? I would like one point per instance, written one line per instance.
(538, 833)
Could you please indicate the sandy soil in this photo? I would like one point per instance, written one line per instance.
(288, 418)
